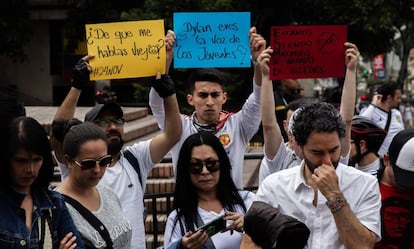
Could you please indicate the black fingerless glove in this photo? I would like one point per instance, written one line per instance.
(164, 86)
(80, 75)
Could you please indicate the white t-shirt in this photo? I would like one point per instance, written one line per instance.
(110, 214)
(380, 117)
(123, 180)
(224, 240)
(371, 168)
(288, 191)
(235, 134)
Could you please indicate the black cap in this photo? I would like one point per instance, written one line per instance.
(97, 109)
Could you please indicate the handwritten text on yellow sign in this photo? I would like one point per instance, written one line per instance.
(126, 49)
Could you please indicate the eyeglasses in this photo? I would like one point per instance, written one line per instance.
(107, 122)
(196, 166)
(90, 163)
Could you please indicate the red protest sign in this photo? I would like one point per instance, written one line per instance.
(307, 51)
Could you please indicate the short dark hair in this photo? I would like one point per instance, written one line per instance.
(185, 194)
(318, 117)
(204, 74)
(387, 89)
(29, 134)
(78, 135)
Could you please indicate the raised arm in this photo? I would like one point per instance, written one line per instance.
(169, 42)
(162, 143)
(257, 44)
(271, 130)
(349, 94)
(66, 110)
(156, 103)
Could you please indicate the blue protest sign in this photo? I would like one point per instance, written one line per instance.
(212, 39)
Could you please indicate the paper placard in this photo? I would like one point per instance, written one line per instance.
(126, 49)
(308, 51)
(212, 39)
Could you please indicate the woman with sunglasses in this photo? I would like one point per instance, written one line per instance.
(205, 190)
(86, 153)
(32, 216)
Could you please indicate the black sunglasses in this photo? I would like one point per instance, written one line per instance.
(196, 166)
(107, 122)
(90, 163)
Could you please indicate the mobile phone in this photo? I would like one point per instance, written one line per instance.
(214, 226)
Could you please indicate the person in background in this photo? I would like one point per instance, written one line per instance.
(339, 204)
(204, 189)
(366, 139)
(122, 176)
(32, 216)
(383, 111)
(279, 155)
(86, 153)
(105, 95)
(207, 96)
(284, 92)
(407, 111)
(397, 193)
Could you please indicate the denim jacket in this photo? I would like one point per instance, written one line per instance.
(13, 230)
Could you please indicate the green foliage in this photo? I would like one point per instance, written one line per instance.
(140, 93)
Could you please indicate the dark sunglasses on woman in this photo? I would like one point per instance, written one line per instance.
(90, 163)
(196, 166)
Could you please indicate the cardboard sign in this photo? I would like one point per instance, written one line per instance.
(308, 52)
(126, 49)
(213, 39)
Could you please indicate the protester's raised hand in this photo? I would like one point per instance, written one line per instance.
(351, 56)
(164, 85)
(169, 45)
(81, 70)
(263, 59)
(256, 42)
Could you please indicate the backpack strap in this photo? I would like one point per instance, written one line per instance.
(92, 219)
(134, 162)
(380, 170)
(387, 125)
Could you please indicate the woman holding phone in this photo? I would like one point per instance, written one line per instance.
(204, 190)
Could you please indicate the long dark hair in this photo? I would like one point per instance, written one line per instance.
(27, 133)
(185, 194)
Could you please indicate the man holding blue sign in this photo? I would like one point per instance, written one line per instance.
(207, 96)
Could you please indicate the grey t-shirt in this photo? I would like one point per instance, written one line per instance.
(110, 214)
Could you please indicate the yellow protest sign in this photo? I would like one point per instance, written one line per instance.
(126, 49)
